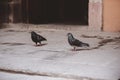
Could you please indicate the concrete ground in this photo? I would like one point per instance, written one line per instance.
(20, 59)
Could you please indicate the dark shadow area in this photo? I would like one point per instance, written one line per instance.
(43, 44)
(3, 12)
(55, 11)
(73, 12)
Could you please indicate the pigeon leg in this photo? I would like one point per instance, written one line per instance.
(40, 43)
(74, 48)
(36, 43)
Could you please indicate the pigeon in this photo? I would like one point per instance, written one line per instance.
(75, 42)
(37, 38)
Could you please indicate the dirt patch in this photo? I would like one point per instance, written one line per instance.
(105, 41)
(86, 36)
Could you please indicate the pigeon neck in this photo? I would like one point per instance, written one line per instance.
(72, 37)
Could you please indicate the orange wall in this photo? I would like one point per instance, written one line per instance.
(111, 15)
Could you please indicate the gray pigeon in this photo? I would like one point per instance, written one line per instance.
(75, 42)
(37, 38)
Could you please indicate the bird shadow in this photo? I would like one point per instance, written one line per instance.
(41, 44)
(78, 49)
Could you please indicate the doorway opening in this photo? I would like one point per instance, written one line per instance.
(55, 11)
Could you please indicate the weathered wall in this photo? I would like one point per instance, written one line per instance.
(15, 11)
(95, 14)
(111, 15)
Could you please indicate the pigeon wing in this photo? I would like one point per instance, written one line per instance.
(77, 43)
(40, 38)
(80, 44)
(34, 37)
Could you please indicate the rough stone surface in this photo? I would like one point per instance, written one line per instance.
(55, 60)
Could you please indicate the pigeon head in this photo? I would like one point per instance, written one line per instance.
(69, 34)
(33, 33)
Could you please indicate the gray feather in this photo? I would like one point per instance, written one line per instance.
(75, 42)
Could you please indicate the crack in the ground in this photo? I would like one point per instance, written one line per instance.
(54, 75)
(12, 44)
(47, 51)
(14, 31)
